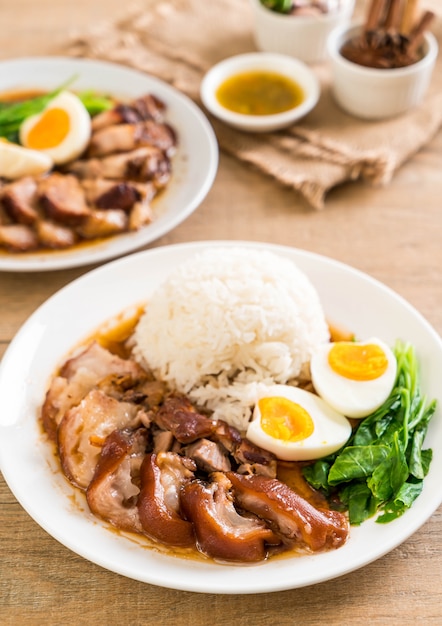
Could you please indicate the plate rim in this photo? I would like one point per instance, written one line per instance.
(210, 586)
(104, 251)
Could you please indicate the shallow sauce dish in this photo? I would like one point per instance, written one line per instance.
(194, 165)
(279, 64)
(351, 300)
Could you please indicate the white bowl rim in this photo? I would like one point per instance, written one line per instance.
(340, 31)
(241, 62)
(325, 17)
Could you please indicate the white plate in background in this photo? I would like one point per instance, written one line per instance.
(194, 165)
(351, 300)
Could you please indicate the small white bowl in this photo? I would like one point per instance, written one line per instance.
(372, 93)
(299, 36)
(278, 63)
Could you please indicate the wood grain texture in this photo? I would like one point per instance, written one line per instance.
(393, 233)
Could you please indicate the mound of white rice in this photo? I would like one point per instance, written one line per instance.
(226, 320)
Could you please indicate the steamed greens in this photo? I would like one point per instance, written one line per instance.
(382, 467)
(95, 103)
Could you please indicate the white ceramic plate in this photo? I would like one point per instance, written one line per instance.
(194, 165)
(350, 298)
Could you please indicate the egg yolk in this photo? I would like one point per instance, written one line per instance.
(357, 361)
(49, 131)
(285, 420)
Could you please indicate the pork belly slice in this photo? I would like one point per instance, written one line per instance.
(209, 456)
(103, 223)
(19, 200)
(144, 108)
(141, 165)
(254, 460)
(113, 491)
(18, 237)
(127, 137)
(162, 477)
(132, 198)
(213, 438)
(79, 375)
(56, 236)
(179, 416)
(221, 532)
(118, 194)
(149, 107)
(227, 435)
(102, 362)
(146, 392)
(251, 459)
(149, 392)
(163, 440)
(63, 199)
(83, 430)
(292, 517)
(119, 114)
(140, 215)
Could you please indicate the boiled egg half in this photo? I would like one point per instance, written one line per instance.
(16, 161)
(296, 425)
(355, 378)
(61, 131)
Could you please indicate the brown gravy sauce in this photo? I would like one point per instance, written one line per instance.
(113, 335)
(19, 95)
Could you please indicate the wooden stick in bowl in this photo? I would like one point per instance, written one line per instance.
(393, 17)
(409, 16)
(375, 13)
(417, 34)
(383, 43)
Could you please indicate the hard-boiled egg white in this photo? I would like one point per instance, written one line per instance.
(62, 130)
(354, 377)
(16, 161)
(296, 425)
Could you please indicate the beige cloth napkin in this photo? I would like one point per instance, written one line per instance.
(179, 40)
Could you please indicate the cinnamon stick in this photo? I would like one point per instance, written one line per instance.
(408, 16)
(382, 43)
(376, 12)
(394, 14)
(417, 34)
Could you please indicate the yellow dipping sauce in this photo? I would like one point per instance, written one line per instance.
(259, 93)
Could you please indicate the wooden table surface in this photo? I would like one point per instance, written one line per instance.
(392, 233)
